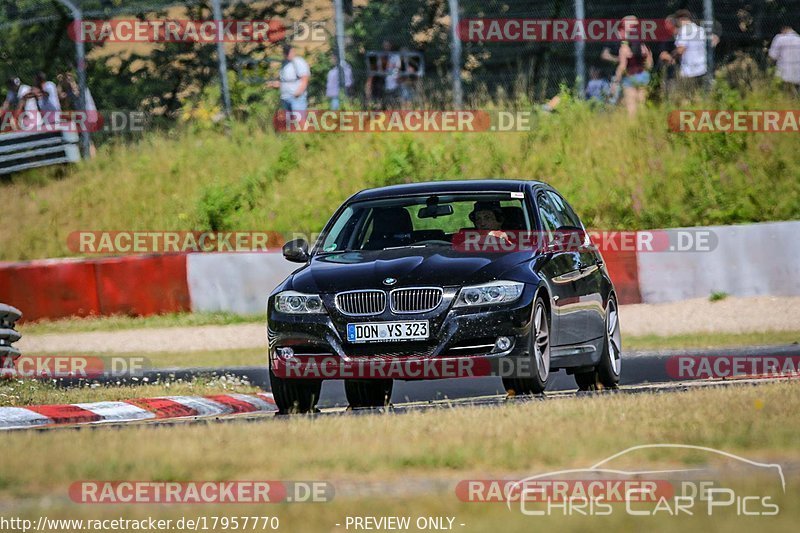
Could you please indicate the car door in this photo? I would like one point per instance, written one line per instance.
(560, 268)
(587, 284)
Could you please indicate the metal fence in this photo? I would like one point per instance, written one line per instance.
(161, 79)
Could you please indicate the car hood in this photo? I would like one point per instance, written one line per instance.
(430, 266)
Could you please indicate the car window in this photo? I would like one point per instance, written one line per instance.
(563, 212)
(547, 215)
(398, 222)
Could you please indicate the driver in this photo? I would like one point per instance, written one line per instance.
(488, 216)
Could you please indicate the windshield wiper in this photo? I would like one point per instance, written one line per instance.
(406, 246)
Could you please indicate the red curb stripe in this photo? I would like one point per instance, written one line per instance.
(238, 406)
(266, 397)
(65, 414)
(163, 407)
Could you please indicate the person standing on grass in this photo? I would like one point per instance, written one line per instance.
(633, 70)
(332, 84)
(785, 51)
(690, 47)
(293, 84)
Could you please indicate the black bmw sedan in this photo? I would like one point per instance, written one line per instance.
(443, 279)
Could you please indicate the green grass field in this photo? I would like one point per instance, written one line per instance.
(410, 464)
(618, 173)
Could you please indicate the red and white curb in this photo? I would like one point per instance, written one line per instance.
(133, 410)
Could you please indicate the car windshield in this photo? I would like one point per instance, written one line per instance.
(422, 220)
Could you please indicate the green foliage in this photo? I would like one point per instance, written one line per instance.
(619, 173)
(717, 296)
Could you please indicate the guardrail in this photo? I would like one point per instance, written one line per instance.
(8, 335)
(24, 150)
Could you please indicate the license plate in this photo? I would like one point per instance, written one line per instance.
(387, 331)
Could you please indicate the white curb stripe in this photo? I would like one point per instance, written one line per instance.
(117, 411)
(255, 401)
(19, 417)
(203, 406)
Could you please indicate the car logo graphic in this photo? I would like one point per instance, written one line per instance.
(389, 281)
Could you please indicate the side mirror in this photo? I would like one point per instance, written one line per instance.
(296, 251)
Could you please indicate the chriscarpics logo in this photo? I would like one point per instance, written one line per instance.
(666, 480)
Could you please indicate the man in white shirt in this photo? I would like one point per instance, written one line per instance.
(690, 46)
(785, 51)
(293, 84)
(47, 94)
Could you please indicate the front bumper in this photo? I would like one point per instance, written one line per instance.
(459, 340)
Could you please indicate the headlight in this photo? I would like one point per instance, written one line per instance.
(496, 292)
(298, 303)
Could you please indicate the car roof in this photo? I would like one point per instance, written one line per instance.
(444, 187)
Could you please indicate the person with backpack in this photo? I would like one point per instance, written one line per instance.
(293, 83)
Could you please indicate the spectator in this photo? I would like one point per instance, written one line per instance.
(46, 94)
(383, 86)
(17, 96)
(332, 86)
(611, 53)
(598, 89)
(690, 47)
(633, 70)
(666, 59)
(11, 101)
(785, 51)
(408, 78)
(293, 83)
(68, 92)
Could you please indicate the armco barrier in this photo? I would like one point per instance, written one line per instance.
(235, 282)
(51, 288)
(58, 288)
(142, 285)
(749, 260)
(623, 268)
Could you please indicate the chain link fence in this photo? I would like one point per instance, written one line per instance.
(175, 79)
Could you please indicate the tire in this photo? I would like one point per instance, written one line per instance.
(368, 393)
(606, 374)
(539, 353)
(295, 395)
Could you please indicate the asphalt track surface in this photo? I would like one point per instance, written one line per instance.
(641, 371)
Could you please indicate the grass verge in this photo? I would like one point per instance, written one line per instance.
(617, 172)
(117, 322)
(519, 437)
(710, 340)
